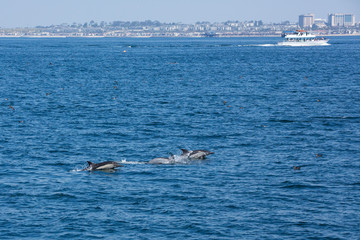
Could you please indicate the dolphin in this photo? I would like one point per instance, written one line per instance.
(163, 160)
(195, 154)
(102, 166)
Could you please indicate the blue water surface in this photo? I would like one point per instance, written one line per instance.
(261, 108)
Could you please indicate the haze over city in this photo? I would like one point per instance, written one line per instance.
(23, 13)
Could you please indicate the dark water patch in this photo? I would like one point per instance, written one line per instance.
(62, 196)
(58, 164)
(338, 118)
(292, 185)
(282, 120)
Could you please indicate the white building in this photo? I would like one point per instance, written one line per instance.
(306, 21)
(341, 20)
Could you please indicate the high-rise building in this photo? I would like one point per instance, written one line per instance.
(341, 20)
(306, 21)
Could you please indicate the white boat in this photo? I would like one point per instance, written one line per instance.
(302, 38)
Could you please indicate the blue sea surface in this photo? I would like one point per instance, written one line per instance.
(262, 109)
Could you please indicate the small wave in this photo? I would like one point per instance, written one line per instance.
(337, 117)
(223, 45)
(61, 195)
(301, 186)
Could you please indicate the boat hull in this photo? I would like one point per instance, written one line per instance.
(305, 43)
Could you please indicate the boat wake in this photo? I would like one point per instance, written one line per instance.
(258, 45)
(267, 45)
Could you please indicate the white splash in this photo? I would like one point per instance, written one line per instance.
(130, 162)
(180, 159)
(76, 170)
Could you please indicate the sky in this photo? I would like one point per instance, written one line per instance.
(31, 13)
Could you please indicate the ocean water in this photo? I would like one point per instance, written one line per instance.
(261, 108)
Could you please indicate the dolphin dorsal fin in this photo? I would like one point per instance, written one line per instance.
(90, 163)
(184, 151)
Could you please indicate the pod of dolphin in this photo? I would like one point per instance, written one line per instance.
(186, 154)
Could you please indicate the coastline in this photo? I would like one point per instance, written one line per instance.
(231, 36)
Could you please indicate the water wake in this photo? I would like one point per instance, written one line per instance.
(258, 45)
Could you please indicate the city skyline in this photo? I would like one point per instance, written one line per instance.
(21, 13)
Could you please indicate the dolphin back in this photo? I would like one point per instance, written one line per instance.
(107, 165)
(185, 152)
(88, 168)
(199, 154)
(160, 161)
(102, 166)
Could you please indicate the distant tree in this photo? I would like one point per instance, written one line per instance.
(148, 23)
(135, 23)
(116, 24)
(102, 24)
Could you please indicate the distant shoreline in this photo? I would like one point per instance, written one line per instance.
(234, 36)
